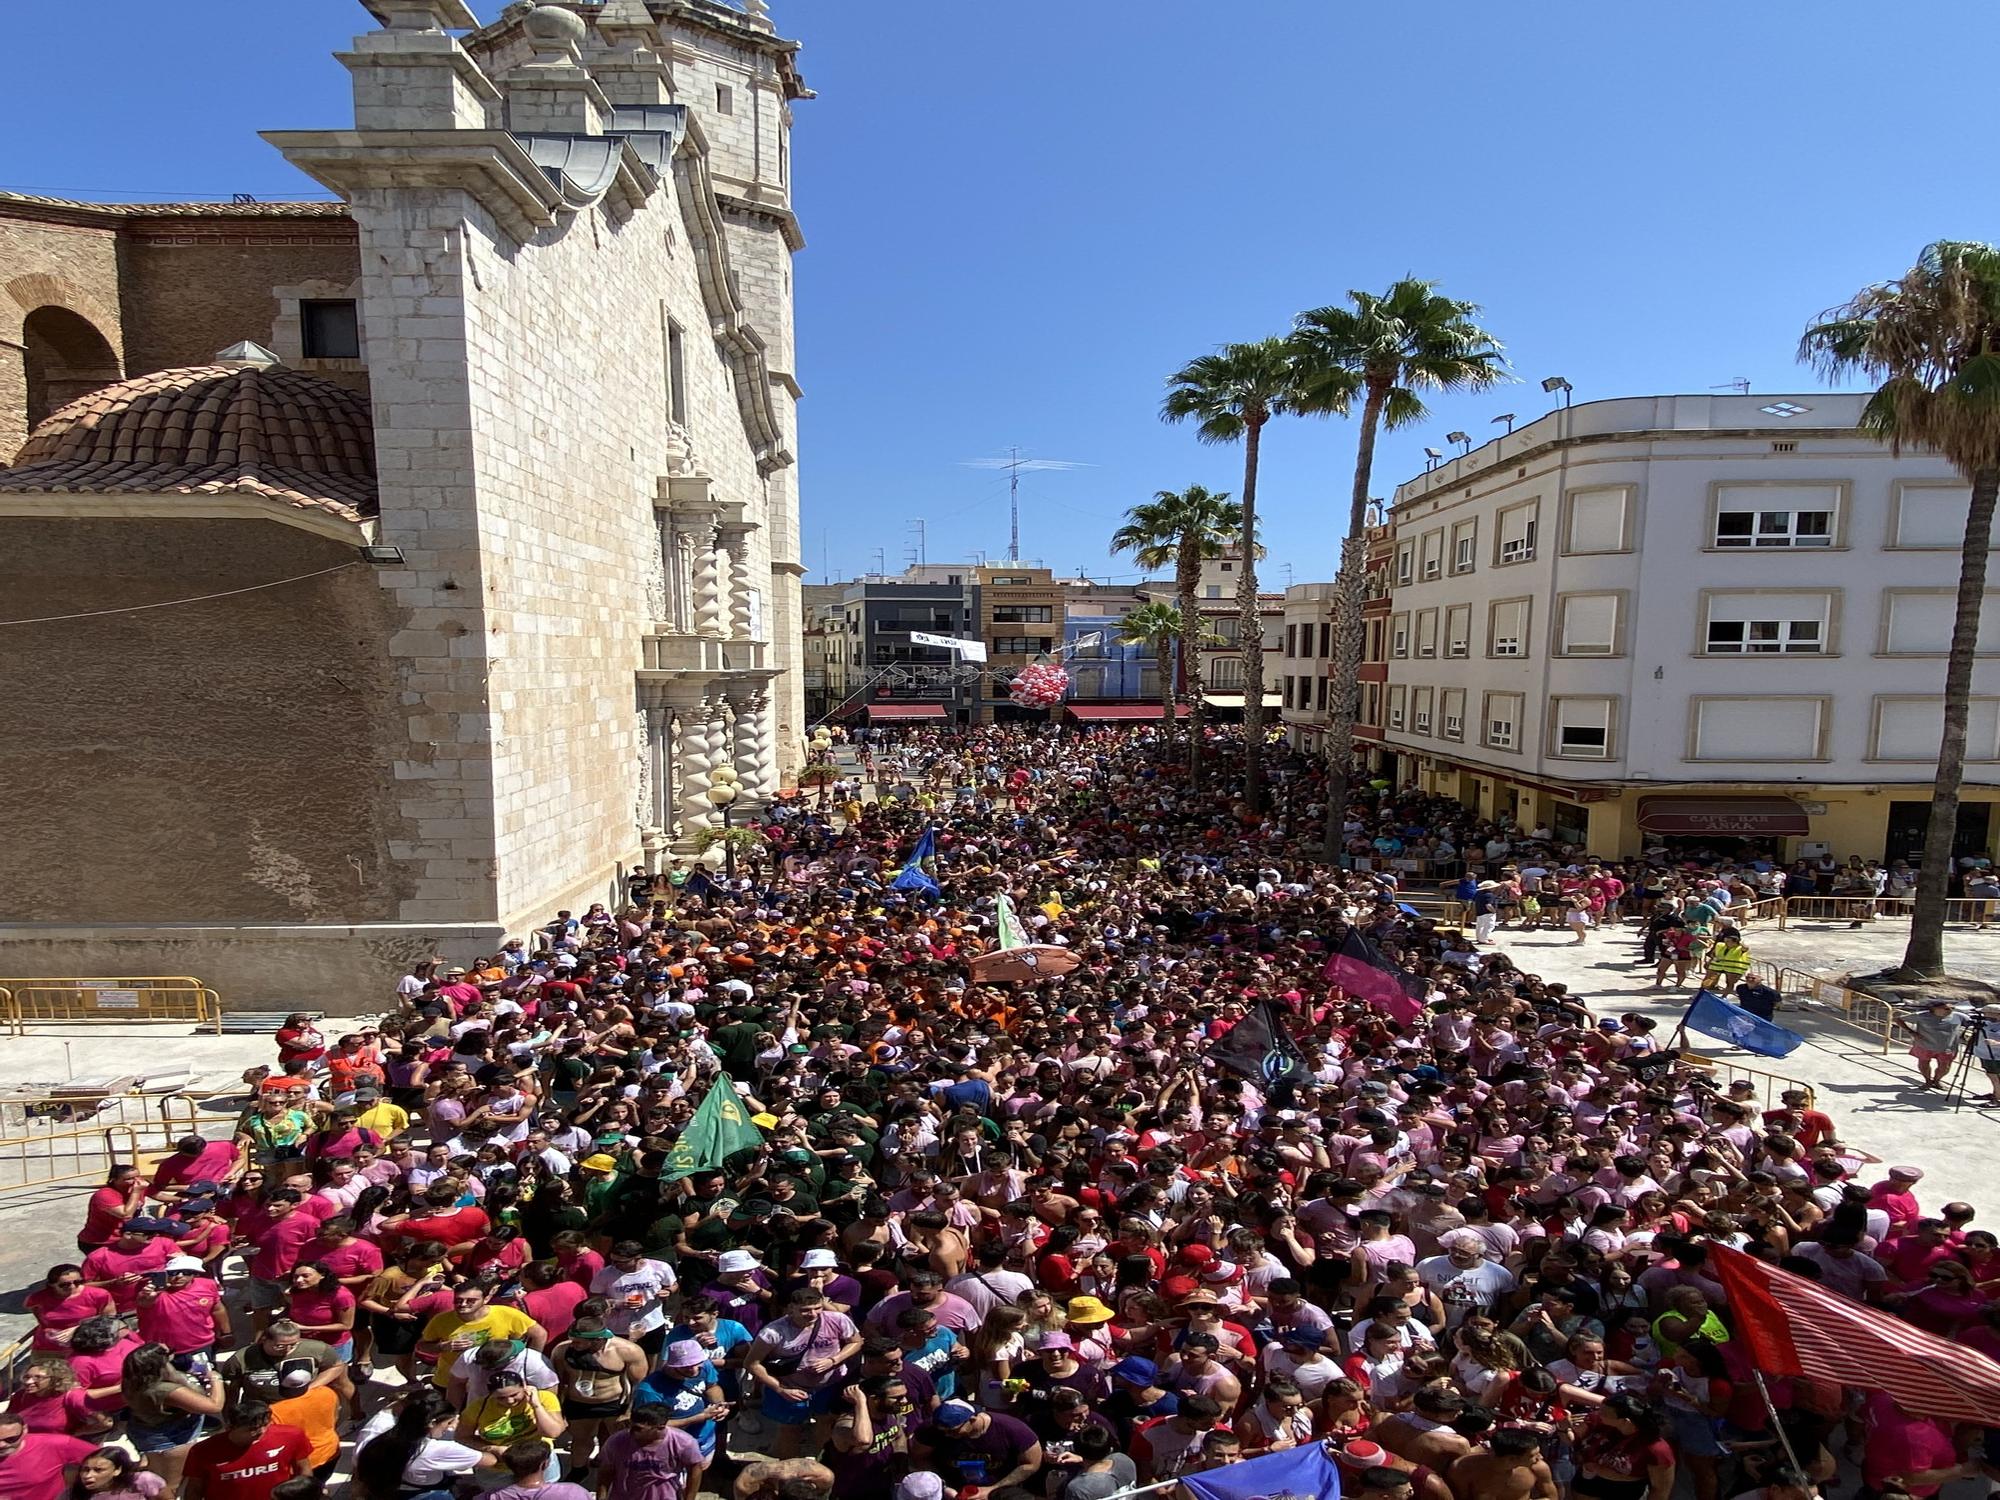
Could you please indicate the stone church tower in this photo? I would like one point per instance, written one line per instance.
(571, 293)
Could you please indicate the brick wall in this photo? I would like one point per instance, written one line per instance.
(51, 263)
(212, 762)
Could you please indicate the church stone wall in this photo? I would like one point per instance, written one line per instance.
(50, 264)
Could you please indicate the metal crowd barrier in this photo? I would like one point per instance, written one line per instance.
(1872, 908)
(177, 997)
(1771, 1086)
(54, 1140)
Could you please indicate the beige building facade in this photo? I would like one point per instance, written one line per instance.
(1686, 617)
(567, 269)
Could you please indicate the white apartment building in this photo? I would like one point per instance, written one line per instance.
(1693, 617)
(1305, 661)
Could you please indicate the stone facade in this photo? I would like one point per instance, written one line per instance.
(569, 241)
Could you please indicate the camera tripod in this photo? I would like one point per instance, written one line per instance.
(1969, 1037)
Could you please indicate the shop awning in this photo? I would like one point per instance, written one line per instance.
(1235, 700)
(1098, 713)
(1737, 817)
(905, 711)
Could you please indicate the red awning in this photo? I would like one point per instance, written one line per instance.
(1739, 817)
(905, 711)
(1103, 712)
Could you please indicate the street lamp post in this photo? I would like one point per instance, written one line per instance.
(722, 796)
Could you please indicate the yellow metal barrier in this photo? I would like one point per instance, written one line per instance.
(1771, 1086)
(1894, 908)
(54, 1158)
(146, 998)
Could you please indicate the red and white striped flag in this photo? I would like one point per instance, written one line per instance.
(1793, 1326)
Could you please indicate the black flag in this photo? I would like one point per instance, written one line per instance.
(1259, 1047)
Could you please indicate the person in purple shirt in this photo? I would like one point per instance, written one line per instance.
(650, 1460)
(926, 1291)
(741, 1290)
(977, 1450)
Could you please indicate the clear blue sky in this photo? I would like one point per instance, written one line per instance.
(1021, 217)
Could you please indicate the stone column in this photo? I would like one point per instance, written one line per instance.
(749, 738)
(692, 765)
(736, 544)
(716, 707)
(711, 587)
(682, 544)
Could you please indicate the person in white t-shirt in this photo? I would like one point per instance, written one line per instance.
(1463, 1278)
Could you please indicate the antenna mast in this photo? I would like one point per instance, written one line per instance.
(1014, 505)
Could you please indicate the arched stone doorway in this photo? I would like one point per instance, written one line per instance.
(64, 357)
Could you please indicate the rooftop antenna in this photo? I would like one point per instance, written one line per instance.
(881, 563)
(1288, 573)
(923, 541)
(1740, 385)
(1014, 464)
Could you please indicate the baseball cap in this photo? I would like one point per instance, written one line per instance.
(953, 1414)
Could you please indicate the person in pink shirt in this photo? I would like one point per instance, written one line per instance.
(97, 1353)
(122, 1197)
(122, 1266)
(48, 1399)
(1899, 1444)
(196, 1162)
(32, 1463)
(187, 1313)
(1896, 1195)
(62, 1301)
(280, 1245)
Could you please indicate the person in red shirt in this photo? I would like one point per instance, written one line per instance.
(352, 1064)
(453, 1230)
(299, 1039)
(122, 1196)
(248, 1459)
(32, 1464)
(60, 1303)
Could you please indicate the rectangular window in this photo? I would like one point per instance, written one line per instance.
(1291, 640)
(1285, 691)
(1211, 591)
(1458, 630)
(1507, 628)
(1517, 534)
(1325, 638)
(1931, 515)
(329, 330)
(1228, 567)
(1399, 635)
(1453, 708)
(1589, 625)
(1430, 554)
(725, 99)
(1910, 728)
(1751, 624)
(1324, 684)
(1583, 728)
(1775, 515)
(1427, 632)
(1371, 704)
(1919, 623)
(1397, 694)
(1502, 721)
(1020, 645)
(1464, 546)
(1763, 728)
(1022, 614)
(677, 410)
(1597, 520)
(1406, 564)
(1420, 710)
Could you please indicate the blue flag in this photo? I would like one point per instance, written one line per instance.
(914, 876)
(1305, 1471)
(1714, 1016)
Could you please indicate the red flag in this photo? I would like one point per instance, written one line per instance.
(1793, 1326)
(1359, 968)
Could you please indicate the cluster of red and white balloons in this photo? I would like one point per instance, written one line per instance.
(1039, 686)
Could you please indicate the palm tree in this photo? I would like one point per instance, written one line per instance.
(1157, 625)
(1231, 394)
(1931, 342)
(1387, 350)
(1183, 529)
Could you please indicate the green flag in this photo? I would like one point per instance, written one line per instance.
(718, 1131)
(1010, 935)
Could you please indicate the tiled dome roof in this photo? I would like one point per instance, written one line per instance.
(255, 429)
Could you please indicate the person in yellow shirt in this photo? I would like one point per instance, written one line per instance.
(379, 1115)
(510, 1411)
(474, 1318)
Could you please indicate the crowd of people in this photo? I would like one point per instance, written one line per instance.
(996, 1242)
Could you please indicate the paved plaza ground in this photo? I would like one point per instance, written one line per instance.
(1868, 1092)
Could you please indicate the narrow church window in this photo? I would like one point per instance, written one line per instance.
(676, 373)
